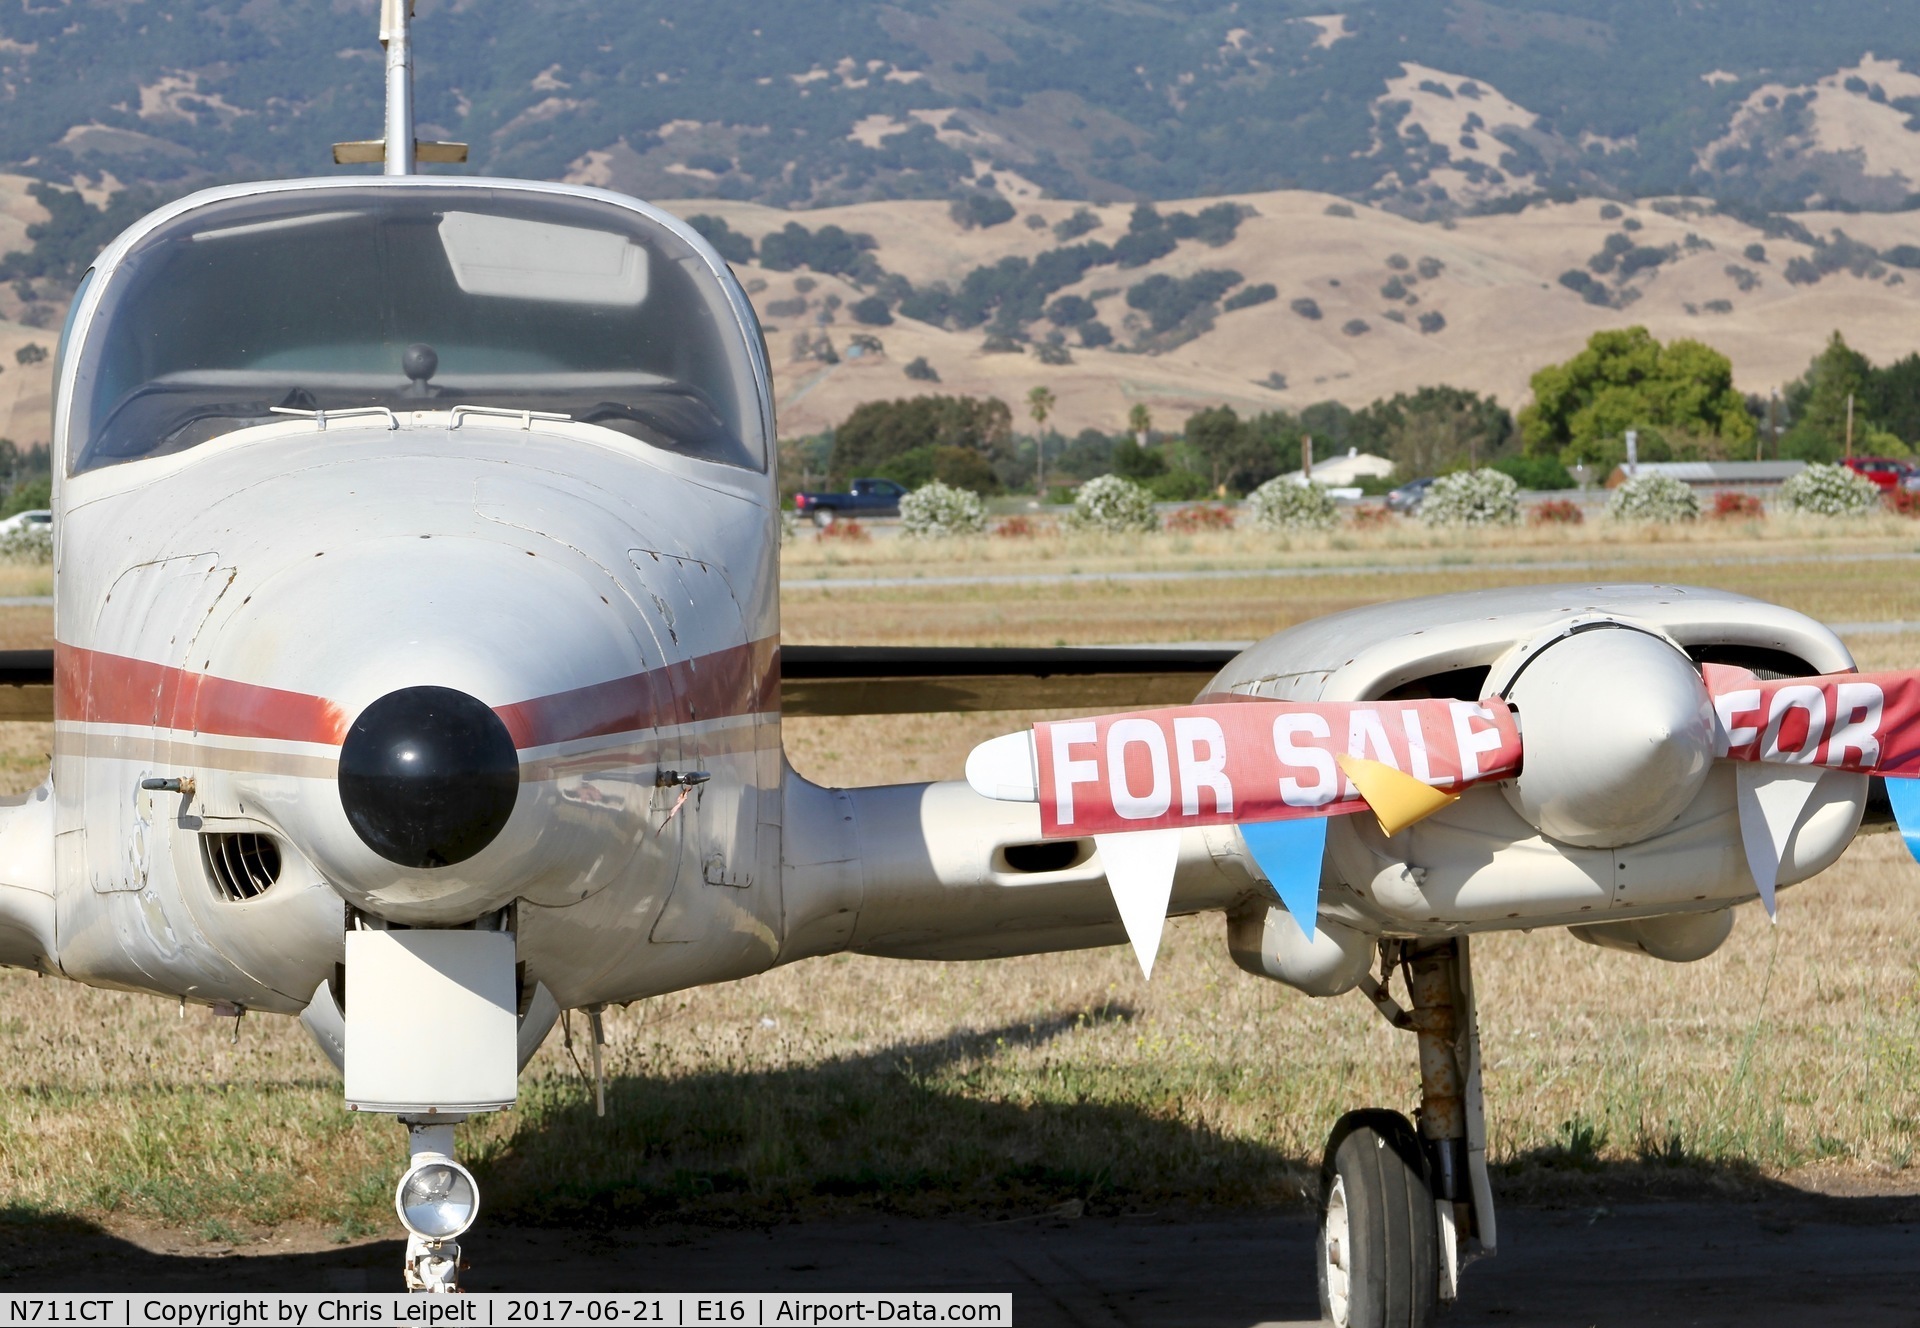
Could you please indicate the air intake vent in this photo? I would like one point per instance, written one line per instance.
(241, 867)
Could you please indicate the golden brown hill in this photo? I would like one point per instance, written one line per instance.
(1506, 313)
(1497, 288)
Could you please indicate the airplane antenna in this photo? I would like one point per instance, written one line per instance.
(395, 15)
(400, 151)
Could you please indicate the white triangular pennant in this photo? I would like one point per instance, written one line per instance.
(1771, 798)
(1140, 873)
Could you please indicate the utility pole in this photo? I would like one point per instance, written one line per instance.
(1849, 426)
(1306, 457)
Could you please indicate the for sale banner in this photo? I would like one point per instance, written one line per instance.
(1845, 721)
(1257, 760)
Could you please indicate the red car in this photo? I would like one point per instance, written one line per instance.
(1885, 472)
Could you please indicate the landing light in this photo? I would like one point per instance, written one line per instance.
(437, 1199)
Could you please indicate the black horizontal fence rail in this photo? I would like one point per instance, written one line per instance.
(900, 680)
(26, 668)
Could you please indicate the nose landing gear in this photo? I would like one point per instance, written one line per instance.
(437, 1200)
(1402, 1210)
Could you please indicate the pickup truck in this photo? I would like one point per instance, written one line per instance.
(866, 498)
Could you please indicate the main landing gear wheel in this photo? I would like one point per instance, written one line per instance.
(1379, 1247)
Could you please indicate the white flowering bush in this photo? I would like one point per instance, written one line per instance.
(28, 544)
(936, 511)
(1114, 505)
(1287, 504)
(1822, 490)
(1472, 498)
(1653, 497)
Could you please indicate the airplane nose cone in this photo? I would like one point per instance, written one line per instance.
(428, 776)
(1619, 734)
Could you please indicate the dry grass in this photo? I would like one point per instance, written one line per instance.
(1017, 1084)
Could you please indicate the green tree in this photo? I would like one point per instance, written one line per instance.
(1816, 403)
(29, 496)
(1219, 437)
(1434, 430)
(1140, 422)
(1680, 397)
(1040, 405)
(878, 432)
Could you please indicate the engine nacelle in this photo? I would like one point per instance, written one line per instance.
(1621, 810)
(1678, 938)
(1268, 943)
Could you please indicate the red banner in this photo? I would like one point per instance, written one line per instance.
(1256, 760)
(1847, 721)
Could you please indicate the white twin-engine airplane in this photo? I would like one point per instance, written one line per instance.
(419, 674)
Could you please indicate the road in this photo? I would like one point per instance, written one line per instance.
(1786, 1259)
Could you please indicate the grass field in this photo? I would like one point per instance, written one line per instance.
(1022, 1084)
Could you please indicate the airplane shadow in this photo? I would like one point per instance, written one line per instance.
(870, 1173)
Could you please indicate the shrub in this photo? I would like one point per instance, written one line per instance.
(1481, 497)
(29, 544)
(1048, 352)
(1557, 512)
(1022, 527)
(848, 531)
(937, 511)
(1535, 472)
(727, 242)
(1252, 295)
(1731, 506)
(1177, 486)
(920, 371)
(1903, 502)
(1287, 504)
(1111, 504)
(1651, 496)
(1195, 520)
(1824, 490)
(982, 210)
(1307, 308)
(872, 311)
(1355, 327)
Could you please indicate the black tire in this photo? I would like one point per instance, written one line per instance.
(1376, 1170)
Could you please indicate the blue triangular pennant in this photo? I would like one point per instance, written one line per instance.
(1288, 854)
(1904, 794)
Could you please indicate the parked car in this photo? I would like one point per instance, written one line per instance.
(1407, 498)
(864, 498)
(26, 521)
(1885, 472)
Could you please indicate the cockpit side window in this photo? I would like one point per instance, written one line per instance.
(413, 298)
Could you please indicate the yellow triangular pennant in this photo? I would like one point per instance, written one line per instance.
(1398, 799)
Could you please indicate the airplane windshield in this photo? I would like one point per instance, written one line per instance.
(413, 298)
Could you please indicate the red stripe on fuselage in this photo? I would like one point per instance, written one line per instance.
(738, 680)
(95, 687)
(100, 688)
